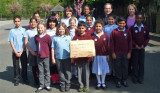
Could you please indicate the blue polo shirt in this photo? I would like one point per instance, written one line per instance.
(83, 18)
(30, 35)
(109, 28)
(16, 36)
(61, 46)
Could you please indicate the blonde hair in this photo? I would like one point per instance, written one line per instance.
(44, 24)
(133, 7)
(68, 9)
(64, 26)
(72, 18)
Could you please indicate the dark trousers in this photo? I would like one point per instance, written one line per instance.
(16, 66)
(121, 67)
(35, 74)
(138, 64)
(64, 70)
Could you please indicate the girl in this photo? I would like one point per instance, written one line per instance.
(72, 27)
(43, 43)
(140, 36)
(100, 64)
(61, 55)
(51, 25)
(90, 27)
(31, 46)
(68, 14)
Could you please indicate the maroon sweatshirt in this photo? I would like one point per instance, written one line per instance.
(140, 37)
(90, 31)
(84, 37)
(101, 44)
(121, 42)
(45, 44)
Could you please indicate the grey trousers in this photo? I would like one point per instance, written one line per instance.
(44, 72)
(83, 74)
(64, 70)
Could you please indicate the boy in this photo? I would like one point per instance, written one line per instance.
(82, 63)
(16, 39)
(121, 46)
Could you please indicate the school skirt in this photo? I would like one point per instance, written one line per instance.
(100, 65)
(32, 59)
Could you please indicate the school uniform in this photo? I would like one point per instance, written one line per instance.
(51, 32)
(83, 64)
(140, 36)
(90, 29)
(121, 45)
(66, 21)
(100, 64)
(83, 18)
(62, 56)
(72, 32)
(43, 43)
(16, 36)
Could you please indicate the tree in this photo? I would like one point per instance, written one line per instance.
(14, 7)
(77, 6)
(46, 8)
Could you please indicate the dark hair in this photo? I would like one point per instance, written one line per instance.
(121, 19)
(89, 16)
(99, 21)
(139, 13)
(112, 15)
(108, 4)
(81, 23)
(64, 26)
(32, 19)
(52, 19)
(17, 16)
(36, 13)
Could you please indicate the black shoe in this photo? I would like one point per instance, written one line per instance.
(134, 81)
(98, 87)
(118, 85)
(124, 83)
(104, 86)
(39, 89)
(48, 88)
(62, 89)
(67, 89)
(26, 82)
(16, 83)
(140, 81)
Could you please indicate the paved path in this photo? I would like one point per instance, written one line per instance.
(151, 81)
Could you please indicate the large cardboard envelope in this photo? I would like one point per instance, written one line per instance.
(82, 48)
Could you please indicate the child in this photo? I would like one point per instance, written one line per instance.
(72, 27)
(140, 36)
(86, 11)
(61, 56)
(108, 29)
(100, 64)
(121, 46)
(82, 63)
(68, 14)
(43, 44)
(90, 27)
(31, 46)
(16, 39)
(51, 25)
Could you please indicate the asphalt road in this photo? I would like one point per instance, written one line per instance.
(151, 78)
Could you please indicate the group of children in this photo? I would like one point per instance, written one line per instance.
(114, 45)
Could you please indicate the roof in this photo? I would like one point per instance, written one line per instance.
(58, 8)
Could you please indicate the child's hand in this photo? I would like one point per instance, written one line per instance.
(33, 53)
(128, 55)
(89, 56)
(108, 58)
(72, 60)
(53, 61)
(113, 55)
(74, 57)
(142, 47)
(18, 54)
(137, 47)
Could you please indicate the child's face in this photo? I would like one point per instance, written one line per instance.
(111, 20)
(37, 17)
(81, 29)
(131, 10)
(139, 19)
(121, 25)
(52, 25)
(68, 14)
(86, 10)
(17, 22)
(61, 31)
(98, 27)
(41, 29)
(72, 24)
(89, 21)
(33, 23)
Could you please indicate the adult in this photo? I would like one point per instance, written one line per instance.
(107, 10)
(131, 10)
